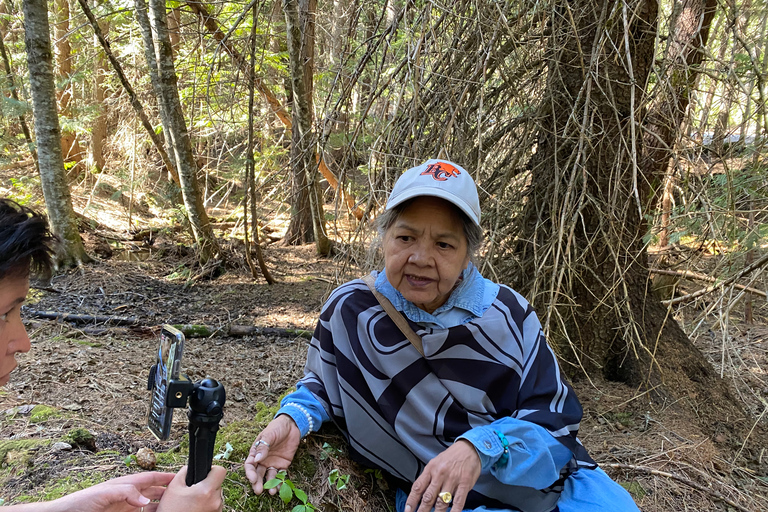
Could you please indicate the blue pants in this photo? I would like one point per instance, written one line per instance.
(585, 491)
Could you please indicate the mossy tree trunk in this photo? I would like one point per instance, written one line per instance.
(58, 200)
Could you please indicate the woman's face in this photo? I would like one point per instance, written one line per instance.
(425, 251)
(13, 335)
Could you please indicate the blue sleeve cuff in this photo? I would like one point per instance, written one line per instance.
(486, 443)
(534, 459)
(304, 409)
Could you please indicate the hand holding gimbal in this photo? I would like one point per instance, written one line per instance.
(170, 390)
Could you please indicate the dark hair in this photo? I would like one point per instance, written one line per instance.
(472, 232)
(26, 243)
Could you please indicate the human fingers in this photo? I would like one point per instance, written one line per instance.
(418, 492)
(255, 472)
(153, 493)
(271, 473)
(216, 476)
(430, 498)
(459, 498)
(146, 479)
(123, 492)
(251, 467)
(259, 449)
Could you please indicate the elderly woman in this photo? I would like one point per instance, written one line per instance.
(479, 417)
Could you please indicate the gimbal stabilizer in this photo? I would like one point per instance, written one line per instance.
(206, 407)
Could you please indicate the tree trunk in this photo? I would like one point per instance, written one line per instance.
(142, 18)
(308, 221)
(581, 245)
(99, 130)
(174, 28)
(250, 168)
(688, 38)
(48, 135)
(69, 143)
(181, 146)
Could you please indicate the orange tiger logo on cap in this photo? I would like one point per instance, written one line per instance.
(441, 171)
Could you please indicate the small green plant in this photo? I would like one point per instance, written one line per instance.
(328, 450)
(287, 490)
(338, 480)
(377, 474)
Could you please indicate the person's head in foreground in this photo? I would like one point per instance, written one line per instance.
(27, 250)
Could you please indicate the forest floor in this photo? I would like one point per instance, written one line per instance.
(94, 378)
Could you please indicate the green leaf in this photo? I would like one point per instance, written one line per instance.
(225, 454)
(299, 508)
(272, 483)
(301, 495)
(286, 493)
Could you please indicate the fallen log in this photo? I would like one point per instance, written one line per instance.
(80, 319)
(206, 331)
(189, 330)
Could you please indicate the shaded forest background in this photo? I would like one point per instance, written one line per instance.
(619, 149)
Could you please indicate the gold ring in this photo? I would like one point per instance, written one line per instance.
(445, 496)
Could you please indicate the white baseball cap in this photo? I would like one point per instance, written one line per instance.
(438, 178)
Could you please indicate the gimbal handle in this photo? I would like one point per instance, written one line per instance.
(206, 407)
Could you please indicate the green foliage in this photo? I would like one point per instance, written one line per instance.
(328, 450)
(22, 189)
(338, 480)
(287, 490)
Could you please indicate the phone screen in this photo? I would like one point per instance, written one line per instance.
(166, 368)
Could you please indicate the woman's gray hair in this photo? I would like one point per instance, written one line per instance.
(472, 232)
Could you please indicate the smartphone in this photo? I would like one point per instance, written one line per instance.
(165, 369)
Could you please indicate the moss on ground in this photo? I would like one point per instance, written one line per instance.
(80, 437)
(41, 413)
(16, 453)
(70, 484)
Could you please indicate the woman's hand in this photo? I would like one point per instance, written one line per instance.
(205, 496)
(130, 493)
(272, 451)
(456, 471)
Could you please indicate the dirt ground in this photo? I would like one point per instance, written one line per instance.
(95, 377)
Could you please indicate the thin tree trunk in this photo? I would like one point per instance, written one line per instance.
(212, 26)
(250, 182)
(276, 108)
(182, 147)
(689, 34)
(135, 103)
(99, 130)
(69, 143)
(306, 200)
(58, 200)
(174, 29)
(142, 18)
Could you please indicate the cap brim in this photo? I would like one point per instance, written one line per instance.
(433, 192)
